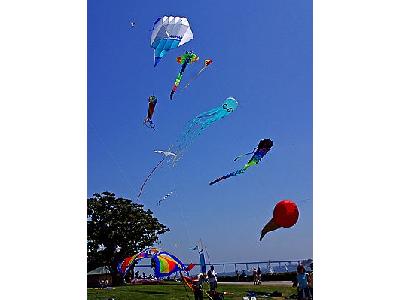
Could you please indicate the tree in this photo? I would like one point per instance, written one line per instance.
(118, 228)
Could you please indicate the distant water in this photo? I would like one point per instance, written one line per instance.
(283, 268)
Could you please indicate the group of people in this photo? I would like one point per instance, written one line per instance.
(256, 276)
(304, 283)
(241, 276)
(196, 285)
(131, 277)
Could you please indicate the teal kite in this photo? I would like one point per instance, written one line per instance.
(192, 130)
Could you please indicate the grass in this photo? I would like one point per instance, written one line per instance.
(176, 291)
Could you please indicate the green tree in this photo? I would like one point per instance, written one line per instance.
(118, 228)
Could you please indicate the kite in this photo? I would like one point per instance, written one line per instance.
(166, 153)
(258, 153)
(150, 111)
(207, 62)
(165, 197)
(195, 127)
(285, 215)
(192, 130)
(202, 262)
(133, 23)
(163, 263)
(184, 60)
(169, 33)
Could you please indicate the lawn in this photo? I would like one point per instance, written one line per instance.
(176, 291)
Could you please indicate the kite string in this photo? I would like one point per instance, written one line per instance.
(184, 223)
(193, 78)
(123, 174)
(148, 177)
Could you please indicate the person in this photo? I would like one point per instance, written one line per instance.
(101, 283)
(237, 275)
(302, 283)
(258, 275)
(310, 281)
(198, 287)
(243, 275)
(195, 284)
(255, 276)
(212, 278)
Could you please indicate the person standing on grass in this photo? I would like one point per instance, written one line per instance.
(258, 275)
(198, 287)
(212, 278)
(302, 283)
(255, 276)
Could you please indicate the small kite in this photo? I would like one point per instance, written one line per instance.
(150, 111)
(165, 153)
(285, 215)
(207, 62)
(169, 33)
(202, 262)
(164, 198)
(193, 129)
(258, 153)
(184, 60)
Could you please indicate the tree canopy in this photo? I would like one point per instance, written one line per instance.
(117, 228)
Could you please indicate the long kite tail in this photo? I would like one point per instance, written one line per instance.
(238, 172)
(178, 79)
(148, 177)
(176, 84)
(171, 94)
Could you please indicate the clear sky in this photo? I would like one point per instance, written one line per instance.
(262, 56)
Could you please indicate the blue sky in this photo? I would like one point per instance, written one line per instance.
(262, 53)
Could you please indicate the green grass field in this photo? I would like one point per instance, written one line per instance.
(176, 291)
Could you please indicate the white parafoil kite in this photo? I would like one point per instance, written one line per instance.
(169, 33)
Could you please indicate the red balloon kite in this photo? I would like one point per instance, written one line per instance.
(285, 215)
